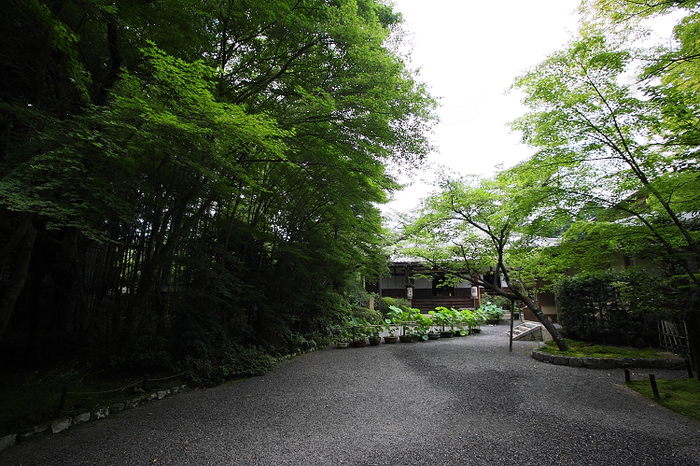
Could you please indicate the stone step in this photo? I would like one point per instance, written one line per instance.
(528, 330)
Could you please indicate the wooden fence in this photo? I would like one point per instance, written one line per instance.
(673, 336)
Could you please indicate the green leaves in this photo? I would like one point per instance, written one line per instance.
(233, 151)
(616, 141)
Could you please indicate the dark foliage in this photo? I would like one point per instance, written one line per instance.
(591, 309)
(193, 184)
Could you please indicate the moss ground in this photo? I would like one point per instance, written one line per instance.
(583, 349)
(679, 395)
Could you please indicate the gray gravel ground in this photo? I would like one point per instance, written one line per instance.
(465, 401)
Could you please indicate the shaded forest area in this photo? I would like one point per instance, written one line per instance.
(194, 183)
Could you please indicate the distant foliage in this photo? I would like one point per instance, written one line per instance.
(501, 301)
(591, 309)
(370, 315)
(387, 302)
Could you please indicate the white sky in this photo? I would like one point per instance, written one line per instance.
(469, 53)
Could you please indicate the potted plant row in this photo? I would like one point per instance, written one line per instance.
(357, 332)
(453, 322)
(409, 319)
(411, 325)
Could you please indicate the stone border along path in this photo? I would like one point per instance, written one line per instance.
(454, 401)
(609, 363)
(64, 422)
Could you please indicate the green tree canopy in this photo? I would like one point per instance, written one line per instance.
(172, 162)
(470, 226)
(613, 119)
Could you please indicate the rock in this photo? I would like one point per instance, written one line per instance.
(591, 363)
(60, 425)
(560, 360)
(641, 363)
(41, 428)
(116, 408)
(622, 362)
(671, 364)
(80, 418)
(576, 362)
(8, 441)
(133, 403)
(609, 363)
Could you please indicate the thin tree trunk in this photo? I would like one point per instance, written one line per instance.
(17, 279)
(559, 340)
(24, 223)
(693, 325)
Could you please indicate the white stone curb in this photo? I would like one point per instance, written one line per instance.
(63, 423)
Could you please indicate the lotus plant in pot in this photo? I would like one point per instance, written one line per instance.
(409, 319)
(494, 313)
(443, 319)
(461, 322)
(468, 320)
(434, 332)
(358, 332)
(342, 337)
(373, 334)
(422, 326)
(392, 320)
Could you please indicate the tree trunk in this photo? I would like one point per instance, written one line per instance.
(558, 339)
(692, 322)
(24, 223)
(522, 296)
(17, 279)
(517, 293)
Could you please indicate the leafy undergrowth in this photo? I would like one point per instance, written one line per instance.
(679, 395)
(582, 349)
(30, 399)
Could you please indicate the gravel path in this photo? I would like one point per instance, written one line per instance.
(465, 401)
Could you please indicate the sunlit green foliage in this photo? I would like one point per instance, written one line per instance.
(613, 117)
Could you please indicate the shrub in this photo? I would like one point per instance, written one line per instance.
(211, 353)
(363, 313)
(226, 362)
(501, 301)
(146, 353)
(296, 342)
(590, 309)
(41, 387)
(388, 301)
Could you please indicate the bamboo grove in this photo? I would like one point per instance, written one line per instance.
(182, 176)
